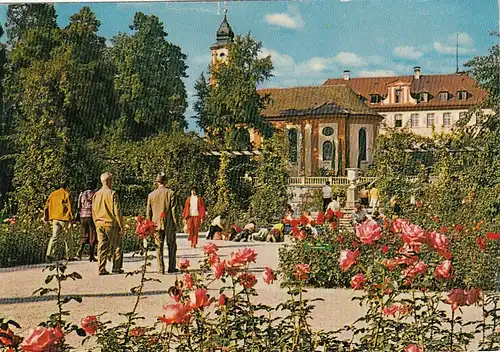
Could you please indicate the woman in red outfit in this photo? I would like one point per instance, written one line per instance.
(194, 214)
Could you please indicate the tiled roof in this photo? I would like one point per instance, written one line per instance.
(432, 84)
(314, 101)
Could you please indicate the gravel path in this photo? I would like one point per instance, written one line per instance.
(111, 294)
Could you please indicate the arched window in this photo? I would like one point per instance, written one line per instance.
(327, 151)
(361, 146)
(293, 144)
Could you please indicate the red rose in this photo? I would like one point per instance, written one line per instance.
(188, 281)
(213, 259)
(389, 264)
(175, 313)
(294, 223)
(243, 256)
(348, 258)
(493, 236)
(163, 215)
(481, 243)
(329, 214)
(7, 341)
(368, 232)
(304, 220)
(145, 229)
(199, 299)
(385, 249)
(472, 296)
(247, 280)
(218, 269)
(183, 264)
(210, 248)
(439, 242)
(300, 236)
(418, 204)
(333, 225)
(139, 219)
(222, 300)
(444, 270)
(137, 332)
(41, 339)
(268, 275)
(397, 225)
(413, 235)
(456, 298)
(443, 229)
(90, 324)
(458, 228)
(357, 281)
(320, 219)
(414, 270)
(301, 271)
(340, 239)
(355, 244)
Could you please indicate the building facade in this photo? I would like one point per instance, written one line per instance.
(421, 103)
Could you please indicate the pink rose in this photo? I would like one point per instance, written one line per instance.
(414, 270)
(397, 225)
(218, 269)
(413, 235)
(210, 248)
(41, 339)
(188, 281)
(174, 313)
(301, 272)
(183, 264)
(357, 281)
(199, 299)
(268, 275)
(481, 243)
(368, 232)
(247, 280)
(439, 242)
(213, 259)
(443, 270)
(348, 258)
(222, 300)
(412, 348)
(392, 310)
(90, 324)
(472, 296)
(456, 298)
(243, 256)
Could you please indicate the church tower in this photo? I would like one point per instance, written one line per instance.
(220, 52)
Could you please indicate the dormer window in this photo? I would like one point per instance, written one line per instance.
(374, 98)
(398, 95)
(423, 97)
(443, 96)
(462, 95)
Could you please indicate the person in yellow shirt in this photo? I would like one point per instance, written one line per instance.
(374, 198)
(58, 213)
(109, 225)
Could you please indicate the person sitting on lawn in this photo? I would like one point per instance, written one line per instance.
(259, 236)
(276, 234)
(215, 226)
(247, 230)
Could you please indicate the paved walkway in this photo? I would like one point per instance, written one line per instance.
(111, 294)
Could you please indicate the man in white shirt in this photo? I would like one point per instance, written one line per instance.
(334, 205)
(327, 195)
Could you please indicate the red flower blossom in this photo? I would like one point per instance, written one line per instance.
(301, 271)
(412, 348)
(175, 313)
(188, 281)
(472, 296)
(145, 228)
(163, 215)
(199, 299)
(357, 281)
(218, 269)
(300, 235)
(389, 264)
(368, 232)
(355, 244)
(7, 341)
(443, 229)
(414, 270)
(456, 298)
(41, 339)
(444, 270)
(329, 214)
(210, 248)
(320, 219)
(333, 225)
(90, 324)
(339, 214)
(418, 204)
(439, 242)
(493, 236)
(481, 243)
(392, 310)
(222, 300)
(213, 259)
(385, 249)
(397, 225)
(137, 332)
(183, 264)
(340, 238)
(413, 235)
(268, 275)
(247, 280)
(139, 218)
(243, 256)
(435, 218)
(294, 223)
(348, 258)
(304, 220)
(458, 228)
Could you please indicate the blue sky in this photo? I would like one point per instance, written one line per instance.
(313, 40)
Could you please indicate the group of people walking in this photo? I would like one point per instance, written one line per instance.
(102, 223)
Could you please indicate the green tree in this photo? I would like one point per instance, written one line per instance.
(267, 203)
(226, 109)
(151, 93)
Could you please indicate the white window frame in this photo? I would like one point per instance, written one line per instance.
(447, 117)
(444, 96)
(414, 120)
(433, 116)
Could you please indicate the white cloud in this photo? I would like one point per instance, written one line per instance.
(463, 39)
(202, 59)
(291, 20)
(376, 73)
(407, 52)
(349, 59)
(450, 49)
